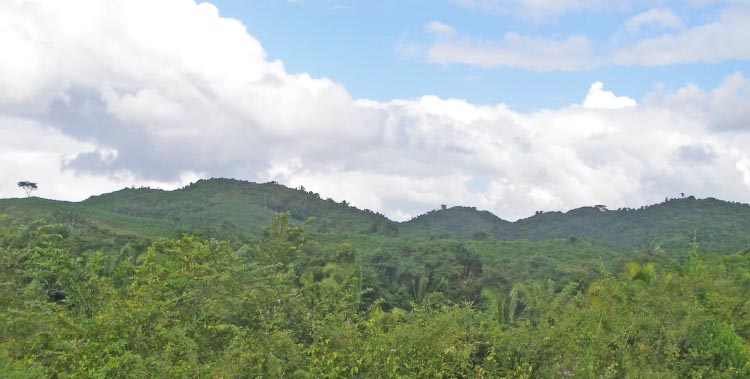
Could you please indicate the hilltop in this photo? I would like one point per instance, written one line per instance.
(456, 222)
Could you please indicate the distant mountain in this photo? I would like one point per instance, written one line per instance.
(233, 209)
(716, 225)
(456, 222)
(222, 208)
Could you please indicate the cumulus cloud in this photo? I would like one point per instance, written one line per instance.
(33, 152)
(165, 84)
(100, 95)
(743, 166)
(726, 108)
(601, 99)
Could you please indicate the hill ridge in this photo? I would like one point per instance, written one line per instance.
(231, 208)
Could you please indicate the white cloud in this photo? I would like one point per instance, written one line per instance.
(166, 83)
(719, 40)
(440, 29)
(597, 98)
(159, 93)
(32, 152)
(743, 165)
(658, 18)
(725, 108)
(514, 50)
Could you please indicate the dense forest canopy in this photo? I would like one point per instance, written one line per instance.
(191, 283)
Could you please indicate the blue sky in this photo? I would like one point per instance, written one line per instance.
(511, 106)
(356, 43)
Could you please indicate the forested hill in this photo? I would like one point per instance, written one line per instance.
(221, 208)
(717, 225)
(88, 292)
(228, 207)
(232, 209)
(461, 222)
(672, 225)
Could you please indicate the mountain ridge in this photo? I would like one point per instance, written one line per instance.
(235, 209)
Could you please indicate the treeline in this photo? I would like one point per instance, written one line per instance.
(294, 306)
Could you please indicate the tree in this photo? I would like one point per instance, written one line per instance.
(28, 187)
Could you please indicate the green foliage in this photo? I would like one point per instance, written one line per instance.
(457, 222)
(669, 226)
(78, 299)
(230, 209)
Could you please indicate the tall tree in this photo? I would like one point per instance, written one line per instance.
(28, 187)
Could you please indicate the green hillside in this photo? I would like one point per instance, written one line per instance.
(109, 288)
(222, 208)
(238, 210)
(717, 225)
(455, 222)
(80, 301)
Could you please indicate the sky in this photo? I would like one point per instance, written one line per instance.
(511, 106)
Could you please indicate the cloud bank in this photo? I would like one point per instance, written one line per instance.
(100, 95)
(656, 37)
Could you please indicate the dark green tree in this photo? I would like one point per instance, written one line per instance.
(28, 187)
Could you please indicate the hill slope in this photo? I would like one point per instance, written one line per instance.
(717, 225)
(222, 208)
(463, 222)
(232, 209)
